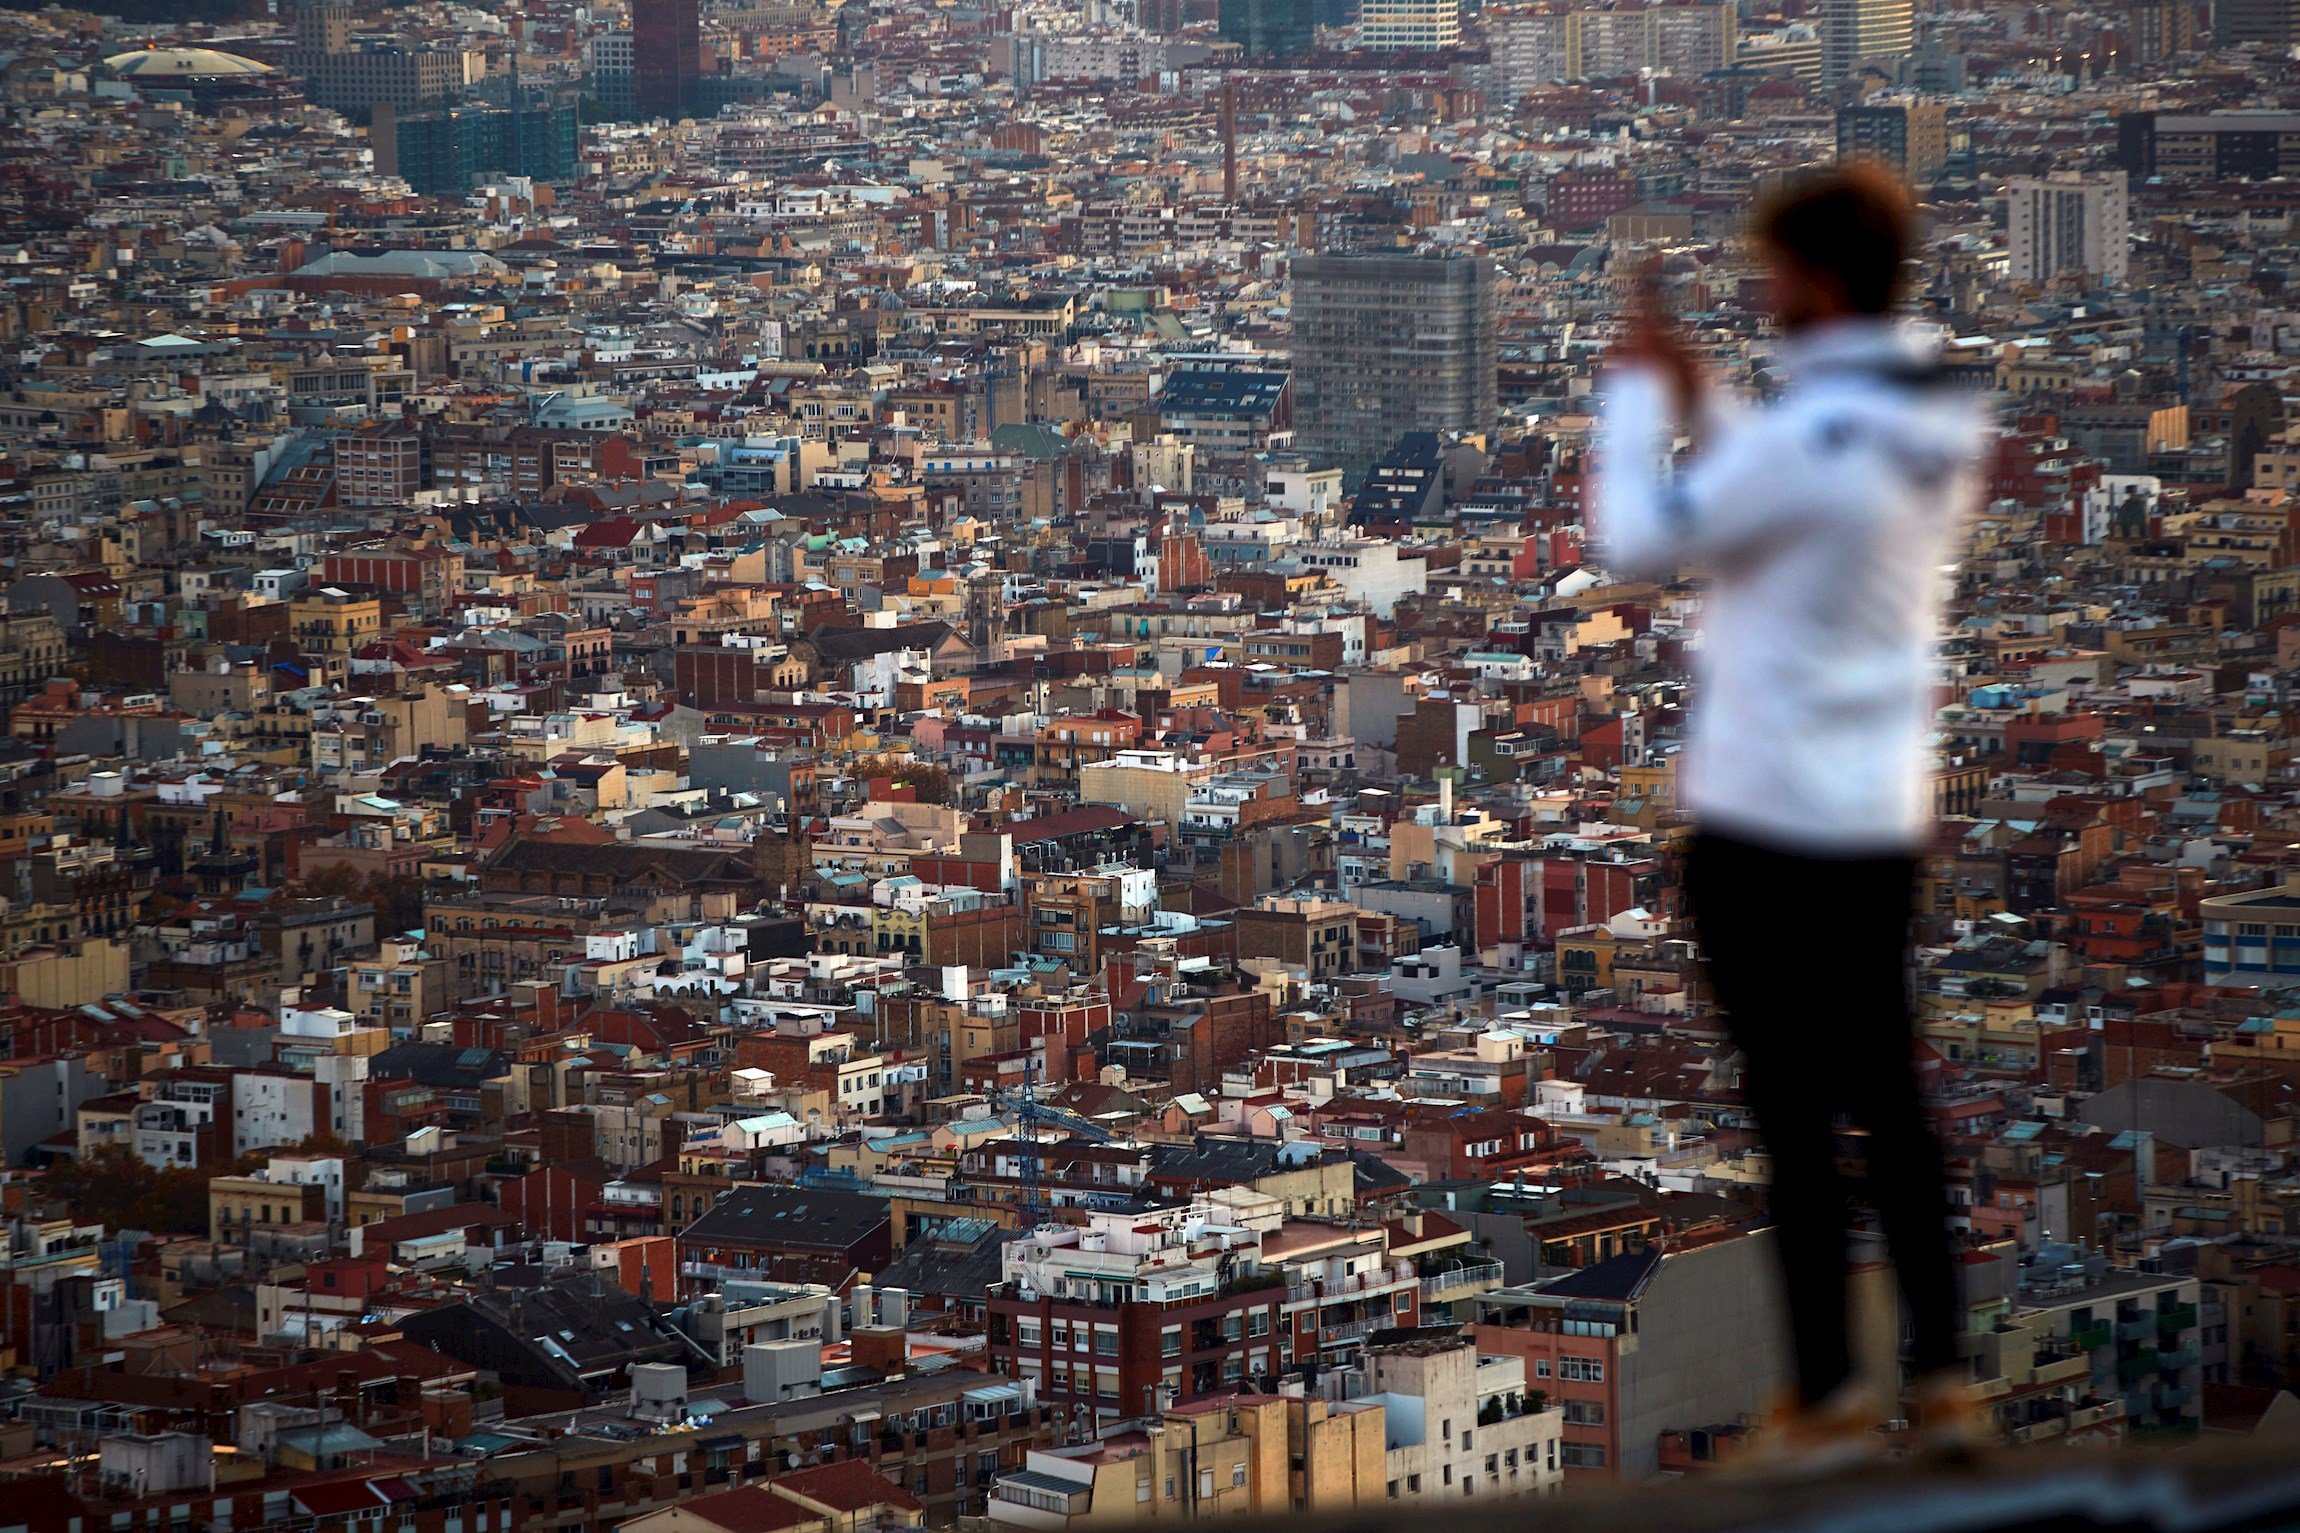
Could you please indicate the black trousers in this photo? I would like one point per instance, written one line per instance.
(1809, 958)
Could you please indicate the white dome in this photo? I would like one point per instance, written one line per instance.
(182, 64)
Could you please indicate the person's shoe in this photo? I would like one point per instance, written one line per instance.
(1948, 1423)
(1800, 1441)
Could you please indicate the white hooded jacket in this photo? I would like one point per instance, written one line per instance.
(1823, 520)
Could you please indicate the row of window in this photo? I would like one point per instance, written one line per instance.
(1572, 1370)
(1498, 1468)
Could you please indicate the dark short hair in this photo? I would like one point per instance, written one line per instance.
(1854, 223)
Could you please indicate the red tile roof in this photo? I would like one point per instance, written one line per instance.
(342, 1496)
(747, 1509)
(851, 1486)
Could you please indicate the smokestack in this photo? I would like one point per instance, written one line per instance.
(1229, 139)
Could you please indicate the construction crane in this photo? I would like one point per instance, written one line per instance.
(1026, 1130)
(1030, 1115)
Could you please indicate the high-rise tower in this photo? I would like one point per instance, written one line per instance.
(1387, 344)
(666, 47)
(1856, 32)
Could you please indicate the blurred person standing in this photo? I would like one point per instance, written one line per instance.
(1823, 520)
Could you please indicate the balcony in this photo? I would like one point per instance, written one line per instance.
(2050, 1371)
(2176, 1317)
(1302, 1291)
(2140, 1365)
(1342, 1332)
(1454, 1282)
(2141, 1329)
(2098, 1334)
(2173, 1359)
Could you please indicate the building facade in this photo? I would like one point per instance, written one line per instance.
(1910, 136)
(666, 57)
(1386, 344)
(1857, 32)
(1409, 26)
(2069, 223)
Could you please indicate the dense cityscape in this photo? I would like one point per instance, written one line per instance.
(816, 767)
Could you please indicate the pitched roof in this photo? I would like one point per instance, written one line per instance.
(1239, 392)
(1617, 1277)
(1228, 1161)
(850, 1486)
(437, 1064)
(843, 644)
(747, 1509)
(936, 1263)
(628, 862)
(796, 1218)
(1082, 821)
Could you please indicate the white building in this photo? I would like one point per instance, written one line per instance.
(1310, 493)
(1528, 48)
(1403, 26)
(1430, 977)
(1542, 45)
(1460, 1426)
(1372, 571)
(272, 1110)
(2069, 223)
(1793, 51)
(323, 1171)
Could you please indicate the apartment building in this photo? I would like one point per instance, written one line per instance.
(2069, 223)
(1463, 1426)
(1644, 1343)
(1409, 26)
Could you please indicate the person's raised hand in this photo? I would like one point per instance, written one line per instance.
(1654, 339)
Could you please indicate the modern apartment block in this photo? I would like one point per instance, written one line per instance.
(2069, 223)
(2253, 937)
(1409, 26)
(2159, 30)
(1538, 45)
(2209, 146)
(1645, 1343)
(1911, 136)
(1386, 344)
(1134, 1309)
(355, 79)
(2126, 1341)
(379, 465)
(440, 153)
(2275, 23)
(1857, 32)
(1463, 1425)
(1248, 1455)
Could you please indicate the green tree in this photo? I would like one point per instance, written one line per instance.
(334, 880)
(930, 779)
(398, 901)
(114, 1187)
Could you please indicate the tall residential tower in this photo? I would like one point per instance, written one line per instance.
(1856, 32)
(1387, 344)
(2069, 223)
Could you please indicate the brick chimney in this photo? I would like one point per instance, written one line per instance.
(881, 1348)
